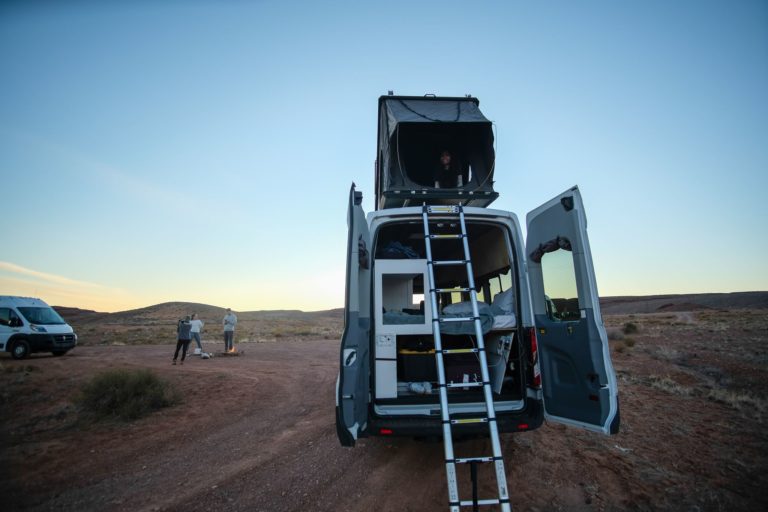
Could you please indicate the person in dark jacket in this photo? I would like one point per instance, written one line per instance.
(183, 337)
(447, 174)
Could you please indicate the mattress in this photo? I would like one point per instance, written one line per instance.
(502, 322)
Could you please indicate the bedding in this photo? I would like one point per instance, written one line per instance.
(489, 320)
(401, 318)
(501, 322)
(464, 309)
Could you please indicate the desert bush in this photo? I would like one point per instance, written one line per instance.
(666, 383)
(126, 394)
(668, 353)
(21, 368)
(737, 400)
(630, 328)
(615, 334)
(620, 347)
(629, 342)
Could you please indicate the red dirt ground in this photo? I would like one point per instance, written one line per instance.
(256, 432)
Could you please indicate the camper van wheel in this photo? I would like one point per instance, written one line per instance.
(58, 353)
(20, 349)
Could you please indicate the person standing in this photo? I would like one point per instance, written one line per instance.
(183, 337)
(196, 327)
(230, 320)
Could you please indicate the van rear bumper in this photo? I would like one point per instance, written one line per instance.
(528, 419)
(45, 342)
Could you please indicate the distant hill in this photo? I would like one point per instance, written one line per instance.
(683, 302)
(157, 324)
(169, 312)
(173, 311)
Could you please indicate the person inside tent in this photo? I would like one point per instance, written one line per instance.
(448, 172)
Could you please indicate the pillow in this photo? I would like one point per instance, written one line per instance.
(504, 302)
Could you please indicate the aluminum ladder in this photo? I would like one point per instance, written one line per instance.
(440, 353)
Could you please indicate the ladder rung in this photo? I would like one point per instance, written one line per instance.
(447, 262)
(466, 421)
(470, 503)
(442, 209)
(451, 290)
(460, 350)
(452, 319)
(468, 460)
(464, 384)
(446, 236)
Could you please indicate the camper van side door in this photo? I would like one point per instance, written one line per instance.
(353, 385)
(578, 380)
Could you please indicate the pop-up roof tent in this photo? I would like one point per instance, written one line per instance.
(413, 132)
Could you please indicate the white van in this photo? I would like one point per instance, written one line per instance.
(30, 325)
(545, 341)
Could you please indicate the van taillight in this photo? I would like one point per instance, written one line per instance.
(535, 358)
(386, 431)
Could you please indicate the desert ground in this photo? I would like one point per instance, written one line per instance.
(256, 431)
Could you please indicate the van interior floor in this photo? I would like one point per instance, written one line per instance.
(417, 372)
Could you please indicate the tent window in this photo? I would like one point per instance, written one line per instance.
(418, 148)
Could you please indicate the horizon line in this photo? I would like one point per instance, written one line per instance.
(652, 296)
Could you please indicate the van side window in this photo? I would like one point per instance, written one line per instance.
(506, 280)
(9, 318)
(560, 293)
(500, 283)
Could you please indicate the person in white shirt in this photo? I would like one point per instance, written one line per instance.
(230, 320)
(197, 326)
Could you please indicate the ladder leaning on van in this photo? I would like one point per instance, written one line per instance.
(448, 421)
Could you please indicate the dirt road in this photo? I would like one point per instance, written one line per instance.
(256, 432)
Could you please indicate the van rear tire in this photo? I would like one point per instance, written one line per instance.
(58, 353)
(20, 349)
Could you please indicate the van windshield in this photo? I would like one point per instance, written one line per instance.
(41, 316)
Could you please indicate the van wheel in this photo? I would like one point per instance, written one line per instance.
(20, 349)
(58, 353)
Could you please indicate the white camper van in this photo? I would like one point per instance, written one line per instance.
(537, 303)
(30, 325)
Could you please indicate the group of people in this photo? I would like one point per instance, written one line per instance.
(190, 327)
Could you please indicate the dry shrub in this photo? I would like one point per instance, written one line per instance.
(629, 342)
(666, 383)
(630, 328)
(738, 400)
(615, 334)
(126, 394)
(21, 368)
(619, 347)
(668, 353)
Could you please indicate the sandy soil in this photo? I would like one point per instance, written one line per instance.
(256, 432)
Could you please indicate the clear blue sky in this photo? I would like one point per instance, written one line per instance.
(203, 151)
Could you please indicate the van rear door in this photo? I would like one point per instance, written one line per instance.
(577, 375)
(353, 385)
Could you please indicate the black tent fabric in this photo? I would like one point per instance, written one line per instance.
(463, 110)
(413, 132)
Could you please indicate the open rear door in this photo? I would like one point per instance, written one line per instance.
(577, 375)
(353, 385)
